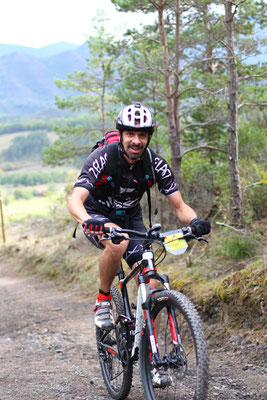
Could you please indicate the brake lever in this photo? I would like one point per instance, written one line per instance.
(188, 234)
(202, 239)
(117, 237)
(156, 236)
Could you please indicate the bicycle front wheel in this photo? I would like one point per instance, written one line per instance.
(115, 362)
(183, 373)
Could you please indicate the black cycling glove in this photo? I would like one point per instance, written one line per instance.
(200, 227)
(93, 225)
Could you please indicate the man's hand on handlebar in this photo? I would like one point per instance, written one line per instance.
(93, 227)
(200, 227)
(196, 229)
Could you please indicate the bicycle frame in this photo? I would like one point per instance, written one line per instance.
(156, 332)
(146, 271)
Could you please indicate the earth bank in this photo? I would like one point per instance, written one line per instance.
(47, 329)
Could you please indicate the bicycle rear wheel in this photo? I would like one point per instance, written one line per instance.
(184, 360)
(115, 363)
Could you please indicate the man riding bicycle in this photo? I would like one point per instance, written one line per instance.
(117, 204)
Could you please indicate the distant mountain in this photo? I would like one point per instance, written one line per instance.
(46, 51)
(27, 76)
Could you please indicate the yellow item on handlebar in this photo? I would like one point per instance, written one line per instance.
(173, 242)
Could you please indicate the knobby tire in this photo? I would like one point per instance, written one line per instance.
(117, 369)
(186, 364)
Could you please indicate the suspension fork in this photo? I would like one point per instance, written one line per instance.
(150, 323)
(173, 326)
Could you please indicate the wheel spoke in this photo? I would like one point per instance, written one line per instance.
(184, 363)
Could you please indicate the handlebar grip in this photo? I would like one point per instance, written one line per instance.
(107, 229)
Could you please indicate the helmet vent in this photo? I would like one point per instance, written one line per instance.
(135, 116)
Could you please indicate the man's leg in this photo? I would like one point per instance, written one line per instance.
(109, 264)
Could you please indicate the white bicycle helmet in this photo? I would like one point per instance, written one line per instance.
(135, 117)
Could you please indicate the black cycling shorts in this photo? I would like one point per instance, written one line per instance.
(134, 249)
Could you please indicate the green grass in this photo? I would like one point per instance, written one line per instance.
(20, 210)
(235, 246)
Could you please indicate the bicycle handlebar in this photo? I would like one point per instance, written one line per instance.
(153, 234)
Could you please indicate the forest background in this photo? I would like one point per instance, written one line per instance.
(197, 69)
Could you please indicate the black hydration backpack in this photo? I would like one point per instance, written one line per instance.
(112, 171)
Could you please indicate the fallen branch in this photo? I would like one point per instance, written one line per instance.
(231, 227)
(252, 184)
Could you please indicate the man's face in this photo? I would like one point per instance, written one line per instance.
(134, 143)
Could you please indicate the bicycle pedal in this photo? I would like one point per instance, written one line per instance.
(135, 357)
(160, 379)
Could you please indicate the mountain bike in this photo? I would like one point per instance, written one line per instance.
(162, 330)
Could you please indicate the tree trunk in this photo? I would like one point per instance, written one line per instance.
(235, 188)
(171, 99)
(102, 105)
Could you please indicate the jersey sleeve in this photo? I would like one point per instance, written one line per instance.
(92, 169)
(164, 176)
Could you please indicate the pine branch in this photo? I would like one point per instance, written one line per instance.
(200, 89)
(246, 77)
(252, 104)
(204, 146)
(200, 61)
(208, 123)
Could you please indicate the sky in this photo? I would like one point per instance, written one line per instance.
(38, 23)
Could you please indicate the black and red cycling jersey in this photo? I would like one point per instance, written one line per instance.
(130, 190)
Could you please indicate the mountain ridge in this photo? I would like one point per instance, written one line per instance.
(27, 75)
(27, 80)
(44, 51)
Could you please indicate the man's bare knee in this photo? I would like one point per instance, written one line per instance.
(115, 251)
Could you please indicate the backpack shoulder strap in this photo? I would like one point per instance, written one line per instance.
(148, 163)
(113, 168)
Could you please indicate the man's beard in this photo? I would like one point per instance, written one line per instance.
(134, 155)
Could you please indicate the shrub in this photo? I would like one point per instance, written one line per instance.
(32, 178)
(27, 147)
(22, 194)
(235, 246)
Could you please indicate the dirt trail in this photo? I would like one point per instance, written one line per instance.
(47, 349)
